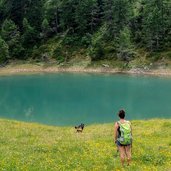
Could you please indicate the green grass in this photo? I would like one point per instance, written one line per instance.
(34, 147)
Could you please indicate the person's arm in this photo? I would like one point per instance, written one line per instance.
(116, 131)
(131, 130)
(130, 127)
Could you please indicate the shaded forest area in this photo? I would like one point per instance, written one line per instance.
(102, 29)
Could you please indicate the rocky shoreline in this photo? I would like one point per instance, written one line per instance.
(30, 69)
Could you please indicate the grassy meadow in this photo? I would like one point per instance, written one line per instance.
(34, 147)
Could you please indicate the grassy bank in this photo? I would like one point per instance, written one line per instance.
(27, 146)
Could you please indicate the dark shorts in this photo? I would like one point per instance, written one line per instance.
(119, 144)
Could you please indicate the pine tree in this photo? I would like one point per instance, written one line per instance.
(117, 14)
(34, 13)
(11, 35)
(45, 29)
(155, 24)
(29, 36)
(80, 16)
(52, 9)
(94, 15)
(4, 49)
(67, 20)
(84, 15)
(125, 50)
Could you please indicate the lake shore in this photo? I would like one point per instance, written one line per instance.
(35, 68)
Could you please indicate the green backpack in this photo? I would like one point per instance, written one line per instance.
(125, 130)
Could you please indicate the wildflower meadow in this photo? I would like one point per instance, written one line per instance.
(34, 147)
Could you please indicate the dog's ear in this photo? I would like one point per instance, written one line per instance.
(81, 125)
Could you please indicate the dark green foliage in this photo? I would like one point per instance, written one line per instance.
(41, 53)
(45, 29)
(72, 40)
(125, 50)
(34, 13)
(105, 28)
(97, 52)
(67, 11)
(169, 55)
(17, 10)
(86, 40)
(11, 35)
(14, 10)
(117, 14)
(59, 54)
(4, 49)
(52, 9)
(86, 16)
(29, 36)
(156, 23)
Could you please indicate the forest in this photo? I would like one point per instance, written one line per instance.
(100, 29)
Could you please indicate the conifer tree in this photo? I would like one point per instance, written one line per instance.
(125, 50)
(52, 9)
(4, 49)
(156, 24)
(116, 14)
(30, 36)
(94, 15)
(45, 29)
(10, 33)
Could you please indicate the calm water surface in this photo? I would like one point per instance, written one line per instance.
(69, 99)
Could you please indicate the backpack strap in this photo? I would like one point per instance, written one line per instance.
(125, 122)
(118, 122)
(119, 132)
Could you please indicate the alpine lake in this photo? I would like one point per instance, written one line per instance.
(68, 99)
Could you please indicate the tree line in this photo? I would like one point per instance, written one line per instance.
(112, 26)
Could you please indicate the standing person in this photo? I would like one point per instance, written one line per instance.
(123, 137)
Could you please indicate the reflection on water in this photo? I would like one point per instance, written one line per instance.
(28, 112)
(69, 99)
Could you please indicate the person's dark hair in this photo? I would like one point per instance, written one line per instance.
(121, 114)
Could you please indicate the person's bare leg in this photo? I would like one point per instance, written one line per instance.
(122, 154)
(128, 153)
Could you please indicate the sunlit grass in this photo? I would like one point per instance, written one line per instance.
(27, 146)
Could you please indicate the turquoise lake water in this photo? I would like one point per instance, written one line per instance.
(69, 99)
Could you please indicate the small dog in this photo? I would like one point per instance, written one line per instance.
(80, 127)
